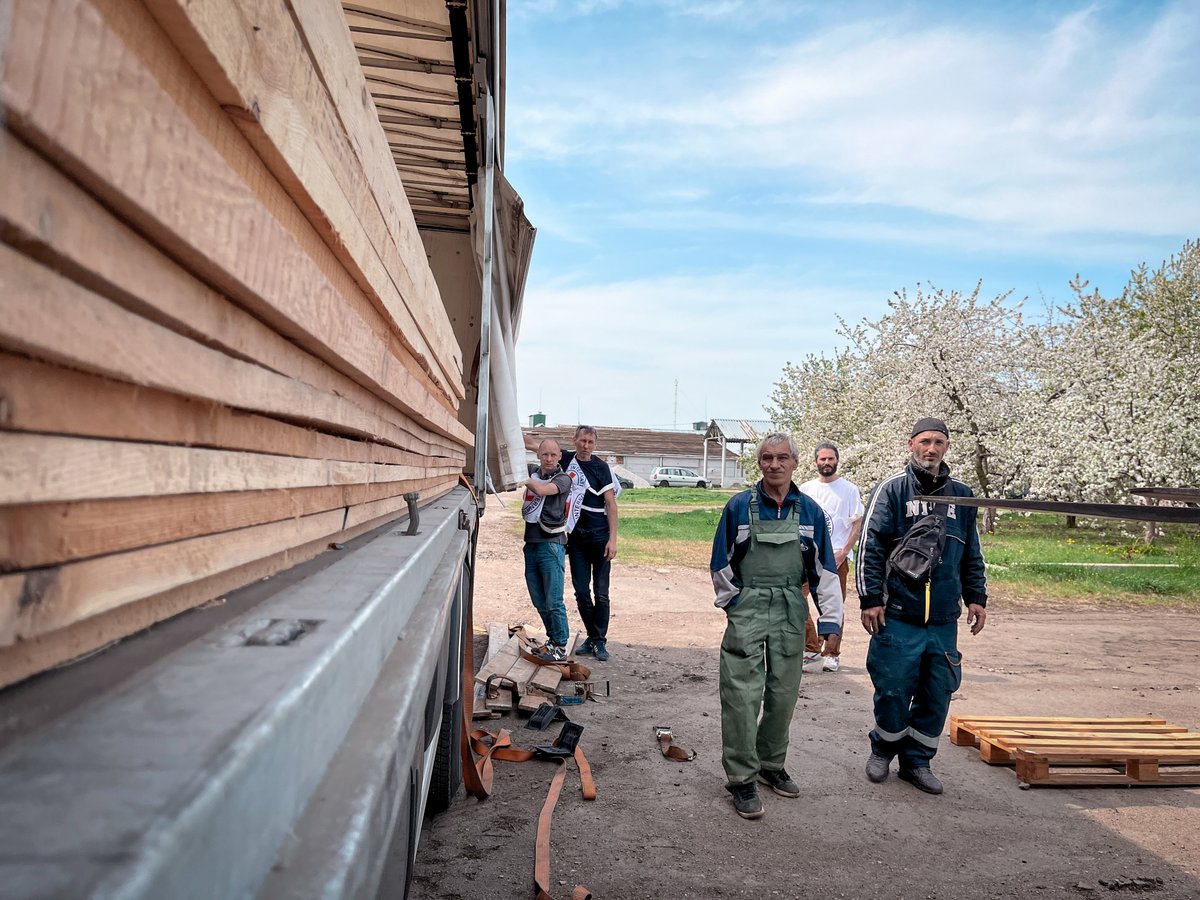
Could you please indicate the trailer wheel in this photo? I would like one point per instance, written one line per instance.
(447, 765)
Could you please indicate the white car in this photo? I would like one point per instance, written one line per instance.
(668, 476)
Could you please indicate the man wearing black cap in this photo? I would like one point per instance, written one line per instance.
(916, 561)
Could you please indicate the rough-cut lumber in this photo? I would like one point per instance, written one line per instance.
(499, 664)
(964, 727)
(44, 534)
(64, 228)
(46, 315)
(37, 468)
(257, 65)
(33, 395)
(497, 637)
(71, 74)
(36, 602)
(26, 658)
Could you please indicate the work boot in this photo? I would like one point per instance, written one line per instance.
(745, 799)
(779, 782)
(922, 779)
(878, 768)
(586, 648)
(600, 649)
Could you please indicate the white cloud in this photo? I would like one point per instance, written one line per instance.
(1084, 127)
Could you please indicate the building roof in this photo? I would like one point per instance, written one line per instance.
(634, 441)
(748, 431)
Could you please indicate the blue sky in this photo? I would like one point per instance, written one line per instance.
(715, 181)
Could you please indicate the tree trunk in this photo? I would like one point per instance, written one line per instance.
(989, 520)
(1151, 531)
(1071, 522)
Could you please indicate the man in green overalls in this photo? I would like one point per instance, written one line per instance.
(771, 540)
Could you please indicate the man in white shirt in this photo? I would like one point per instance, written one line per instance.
(843, 505)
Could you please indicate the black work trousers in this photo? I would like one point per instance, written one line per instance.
(589, 578)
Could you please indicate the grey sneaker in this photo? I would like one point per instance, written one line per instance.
(555, 653)
(779, 782)
(600, 649)
(923, 779)
(745, 800)
(878, 768)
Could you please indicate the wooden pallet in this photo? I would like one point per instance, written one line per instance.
(1134, 747)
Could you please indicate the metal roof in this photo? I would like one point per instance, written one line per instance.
(747, 431)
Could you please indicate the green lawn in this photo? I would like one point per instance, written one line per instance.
(1029, 551)
(674, 497)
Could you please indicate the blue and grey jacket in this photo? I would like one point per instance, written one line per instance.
(891, 511)
(732, 540)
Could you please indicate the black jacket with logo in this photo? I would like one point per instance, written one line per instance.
(891, 512)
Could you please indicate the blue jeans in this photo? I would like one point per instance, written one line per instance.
(589, 568)
(915, 670)
(544, 564)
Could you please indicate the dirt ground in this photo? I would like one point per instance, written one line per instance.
(667, 829)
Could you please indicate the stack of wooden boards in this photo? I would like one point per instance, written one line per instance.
(221, 345)
(1129, 751)
(510, 673)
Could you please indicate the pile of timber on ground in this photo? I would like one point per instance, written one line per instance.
(221, 345)
(505, 673)
(1129, 751)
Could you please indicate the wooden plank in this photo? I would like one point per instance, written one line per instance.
(105, 408)
(502, 702)
(63, 227)
(499, 664)
(25, 658)
(497, 637)
(34, 603)
(180, 172)
(548, 678)
(37, 468)
(277, 94)
(44, 534)
(532, 699)
(49, 316)
(1034, 768)
(963, 727)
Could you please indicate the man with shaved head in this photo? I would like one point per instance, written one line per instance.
(545, 513)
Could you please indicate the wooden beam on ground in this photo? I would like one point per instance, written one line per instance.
(182, 173)
(278, 95)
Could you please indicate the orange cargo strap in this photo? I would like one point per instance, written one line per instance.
(664, 737)
(489, 746)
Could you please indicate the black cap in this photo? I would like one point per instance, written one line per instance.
(929, 424)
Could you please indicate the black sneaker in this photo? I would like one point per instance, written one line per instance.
(745, 799)
(555, 653)
(586, 648)
(923, 779)
(600, 649)
(779, 782)
(878, 768)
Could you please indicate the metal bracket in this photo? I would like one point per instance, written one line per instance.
(414, 514)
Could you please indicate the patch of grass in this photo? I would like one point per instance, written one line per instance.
(1029, 552)
(671, 538)
(675, 497)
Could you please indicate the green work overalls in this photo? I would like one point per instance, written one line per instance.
(762, 651)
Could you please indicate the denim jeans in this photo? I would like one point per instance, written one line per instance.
(589, 572)
(544, 564)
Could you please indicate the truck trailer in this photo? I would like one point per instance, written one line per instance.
(261, 277)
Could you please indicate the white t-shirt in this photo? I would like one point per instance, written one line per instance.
(842, 503)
